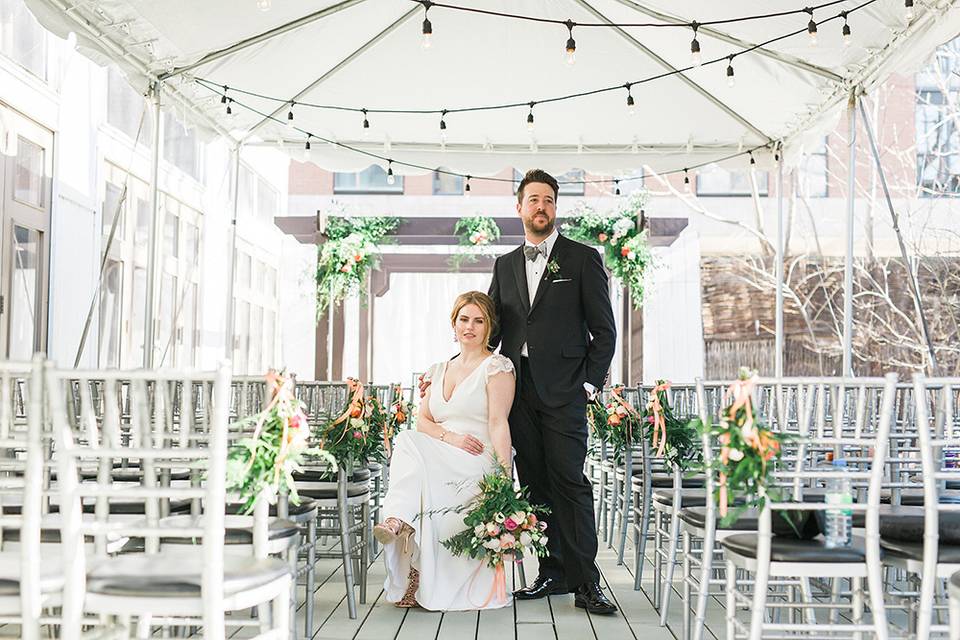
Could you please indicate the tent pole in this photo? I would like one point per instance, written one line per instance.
(232, 268)
(149, 335)
(914, 287)
(848, 258)
(778, 341)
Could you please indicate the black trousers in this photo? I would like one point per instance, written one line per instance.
(551, 448)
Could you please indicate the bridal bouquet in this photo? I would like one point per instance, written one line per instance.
(748, 450)
(501, 525)
(280, 441)
(615, 421)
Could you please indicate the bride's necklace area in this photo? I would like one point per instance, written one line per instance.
(466, 367)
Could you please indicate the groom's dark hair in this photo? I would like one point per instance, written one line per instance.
(538, 175)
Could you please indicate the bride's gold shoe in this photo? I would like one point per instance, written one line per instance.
(391, 530)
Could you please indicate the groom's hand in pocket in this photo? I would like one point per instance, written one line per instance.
(466, 442)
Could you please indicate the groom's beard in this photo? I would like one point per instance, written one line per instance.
(538, 230)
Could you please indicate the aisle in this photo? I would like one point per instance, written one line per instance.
(555, 618)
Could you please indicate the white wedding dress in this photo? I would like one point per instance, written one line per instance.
(430, 478)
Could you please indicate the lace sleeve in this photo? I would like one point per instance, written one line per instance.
(499, 364)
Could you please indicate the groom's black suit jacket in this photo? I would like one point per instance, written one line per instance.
(569, 328)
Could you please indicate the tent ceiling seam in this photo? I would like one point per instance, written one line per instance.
(725, 37)
(682, 76)
(338, 67)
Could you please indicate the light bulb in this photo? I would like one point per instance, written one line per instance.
(695, 58)
(731, 79)
(427, 34)
(908, 13)
(847, 39)
(571, 51)
(812, 30)
(263, 5)
(391, 180)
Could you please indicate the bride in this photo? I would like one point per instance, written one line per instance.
(461, 429)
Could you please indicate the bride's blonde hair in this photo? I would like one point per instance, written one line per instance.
(487, 309)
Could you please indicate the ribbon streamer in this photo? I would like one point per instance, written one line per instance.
(659, 421)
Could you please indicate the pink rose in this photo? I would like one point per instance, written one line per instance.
(510, 524)
(543, 525)
(507, 541)
(531, 519)
(298, 421)
(357, 435)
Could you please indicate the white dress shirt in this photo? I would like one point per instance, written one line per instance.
(534, 274)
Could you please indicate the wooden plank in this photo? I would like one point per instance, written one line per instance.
(636, 617)
(570, 623)
(458, 625)
(496, 624)
(419, 624)
(384, 621)
(532, 611)
(332, 607)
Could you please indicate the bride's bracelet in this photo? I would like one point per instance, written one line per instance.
(443, 435)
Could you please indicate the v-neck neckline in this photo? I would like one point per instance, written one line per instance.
(443, 379)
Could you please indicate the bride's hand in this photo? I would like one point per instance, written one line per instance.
(466, 442)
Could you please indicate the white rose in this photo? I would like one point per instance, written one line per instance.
(519, 517)
(543, 540)
(631, 256)
(499, 517)
(736, 455)
(479, 529)
(623, 226)
(493, 544)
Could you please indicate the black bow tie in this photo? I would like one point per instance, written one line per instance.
(532, 252)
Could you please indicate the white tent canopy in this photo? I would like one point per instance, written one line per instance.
(368, 54)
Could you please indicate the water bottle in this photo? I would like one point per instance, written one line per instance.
(839, 518)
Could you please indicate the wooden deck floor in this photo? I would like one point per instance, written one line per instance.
(555, 618)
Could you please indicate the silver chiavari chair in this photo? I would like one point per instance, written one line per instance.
(164, 584)
(846, 418)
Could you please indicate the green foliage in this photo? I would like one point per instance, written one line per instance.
(683, 445)
(613, 423)
(349, 253)
(475, 231)
(355, 437)
(626, 250)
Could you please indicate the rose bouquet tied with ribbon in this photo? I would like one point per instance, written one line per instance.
(501, 525)
(615, 421)
(359, 433)
(748, 452)
(267, 459)
(672, 438)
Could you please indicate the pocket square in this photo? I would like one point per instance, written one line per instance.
(559, 280)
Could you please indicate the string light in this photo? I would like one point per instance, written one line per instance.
(686, 181)
(305, 156)
(571, 43)
(443, 126)
(616, 190)
(846, 30)
(812, 28)
(290, 113)
(229, 110)
(263, 5)
(390, 177)
(730, 78)
(908, 9)
(753, 160)
(530, 117)
(466, 187)
(631, 108)
(223, 98)
(366, 124)
(695, 56)
(427, 26)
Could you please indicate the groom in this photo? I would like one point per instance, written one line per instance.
(556, 325)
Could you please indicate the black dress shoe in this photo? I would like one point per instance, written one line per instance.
(542, 587)
(590, 597)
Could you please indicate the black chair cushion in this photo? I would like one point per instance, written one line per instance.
(697, 517)
(688, 497)
(665, 481)
(784, 549)
(174, 575)
(916, 499)
(306, 506)
(330, 492)
(316, 475)
(914, 550)
(277, 529)
(909, 527)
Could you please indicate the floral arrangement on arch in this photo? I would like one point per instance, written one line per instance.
(359, 433)
(625, 248)
(476, 235)
(350, 251)
(280, 441)
(614, 421)
(501, 525)
(673, 439)
(748, 451)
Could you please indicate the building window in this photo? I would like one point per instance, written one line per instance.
(445, 184)
(182, 147)
(571, 182)
(812, 172)
(373, 179)
(125, 107)
(28, 176)
(258, 198)
(22, 39)
(938, 144)
(716, 181)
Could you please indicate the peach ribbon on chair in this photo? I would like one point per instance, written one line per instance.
(739, 392)
(659, 421)
(617, 398)
(356, 402)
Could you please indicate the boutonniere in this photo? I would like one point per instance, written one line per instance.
(553, 266)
